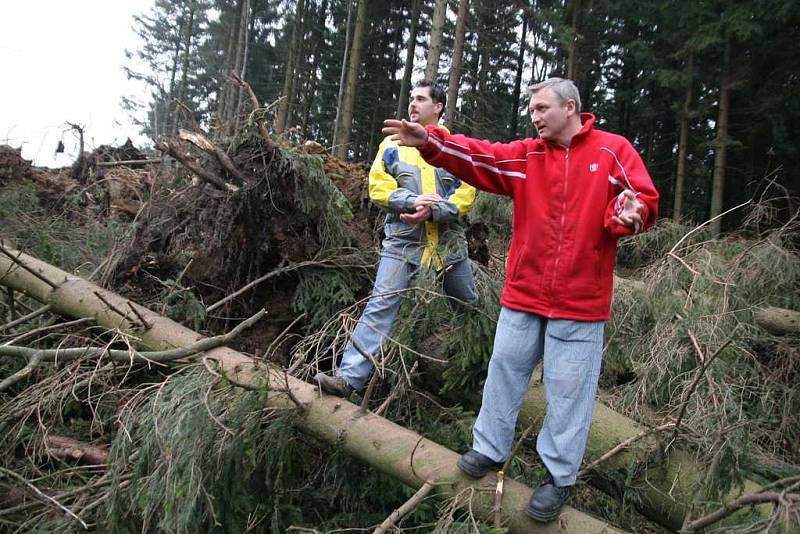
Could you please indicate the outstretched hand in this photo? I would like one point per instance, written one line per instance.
(404, 132)
(631, 214)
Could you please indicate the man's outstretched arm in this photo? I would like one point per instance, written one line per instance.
(493, 167)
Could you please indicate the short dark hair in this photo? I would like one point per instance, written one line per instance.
(438, 95)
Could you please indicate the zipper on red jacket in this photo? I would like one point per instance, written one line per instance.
(561, 226)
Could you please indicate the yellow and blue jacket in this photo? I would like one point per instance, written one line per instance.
(397, 177)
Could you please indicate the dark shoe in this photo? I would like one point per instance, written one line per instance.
(476, 464)
(333, 385)
(547, 500)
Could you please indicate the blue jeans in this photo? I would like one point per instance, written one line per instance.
(572, 352)
(394, 276)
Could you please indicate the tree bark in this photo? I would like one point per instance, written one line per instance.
(455, 69)
(405, 85)
(437, 32)
(343, 77)
(349, 98)
(384, 445)
(778, 321)
(721, 142)
(683, 143)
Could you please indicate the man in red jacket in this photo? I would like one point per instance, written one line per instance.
(575, 190)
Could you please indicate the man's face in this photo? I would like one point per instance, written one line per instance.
(550, 117)
(421, 107)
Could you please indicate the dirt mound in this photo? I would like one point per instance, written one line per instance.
(12, 166)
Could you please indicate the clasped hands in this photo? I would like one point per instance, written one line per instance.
(422, 207)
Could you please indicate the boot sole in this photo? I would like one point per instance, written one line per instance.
(542, 517)
(473, 472)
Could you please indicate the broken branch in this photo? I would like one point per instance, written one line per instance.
(166, 147)
(201, 141)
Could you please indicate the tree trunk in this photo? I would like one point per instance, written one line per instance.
(228, 63)
(721, 142)
(680, 175)
(312, 77)
(405, 85)
(573, 42)
(518, 80)
(455, 68)
(284, 108)
(482, 112)
(241, 69)
(349, 98)
(342, 78)
(437, 32)
(183, 87)
(374, 440)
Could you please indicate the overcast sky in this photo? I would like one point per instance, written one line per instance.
(61, 61)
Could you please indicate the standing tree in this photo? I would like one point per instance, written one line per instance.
(348, 99)
(435, 47)
(292, 60)
(402, 101)
(455, 67)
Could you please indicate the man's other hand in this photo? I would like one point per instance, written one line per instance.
(404, 132)
(631, 214)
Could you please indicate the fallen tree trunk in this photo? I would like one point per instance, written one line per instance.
(374, 440)
(667, 487)
(778, 321)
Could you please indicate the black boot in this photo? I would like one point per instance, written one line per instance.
(476, 464)
(333, 385)
(547, 500)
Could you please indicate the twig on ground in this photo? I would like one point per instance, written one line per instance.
(622, 446)
(25, 318)
(133, 356)
(741, 502)
(407, 507)
(48, 328)
(44, 496)
(29, 368)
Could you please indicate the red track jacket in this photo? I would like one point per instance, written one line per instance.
(563, 247)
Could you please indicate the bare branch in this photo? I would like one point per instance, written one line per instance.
(407, 507)
(25, 318)
(133, 356)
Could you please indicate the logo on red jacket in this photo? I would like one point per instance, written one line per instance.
(593, 167)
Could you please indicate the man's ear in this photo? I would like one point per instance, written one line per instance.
(439, 108)
(570, 107)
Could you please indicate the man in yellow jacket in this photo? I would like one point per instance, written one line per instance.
(425, 210)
